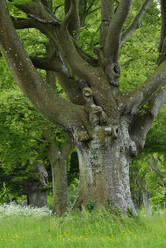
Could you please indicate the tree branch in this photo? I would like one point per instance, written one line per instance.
(21, 23)
(46, 64)
(113, 39)
(136, 21)
(72, 20)
(139, 128)
(142, 122)
(157, 101)
(154, 166)
(76, 64)
(138, 97)
(54, 64)
(89, 59)
(37, 11)
(67, 148)
(107, 12)
(43, 97)
(163, 24)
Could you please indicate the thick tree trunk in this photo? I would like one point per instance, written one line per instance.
(104, 169)
(146, 202)
(37, 188)
(37, 197)
(58, 159)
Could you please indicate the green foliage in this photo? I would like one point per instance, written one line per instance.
(72, 190)
(156, 139)
(6, 80)
(21, 129)
(145, 177)
(90, 205)
(4, 193)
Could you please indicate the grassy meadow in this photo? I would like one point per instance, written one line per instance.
(82, 230)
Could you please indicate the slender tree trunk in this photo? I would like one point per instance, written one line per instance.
(104, 170)
(146, 202)
(58, 159)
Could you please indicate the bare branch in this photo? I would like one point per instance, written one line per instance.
(85, 10)
(37, 11)
(62, 39)
(71, 87)
(46, 64)
(143, 122)
(157, 101)
(139, 128)
(136, 21)
(31, 83)
(21, 23)
(154, 167)
(67, 148)
(162, 46)
(139, 96)
(72, 20)
(113, 39)
(107, 12)
(89, 59)
(163, 24)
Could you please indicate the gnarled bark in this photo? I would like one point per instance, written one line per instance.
(106, 126)
(104, 167)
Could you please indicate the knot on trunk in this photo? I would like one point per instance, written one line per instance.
(97, 116)
(104, 136)
(129, 147)
(81, 136)
(113, 74)
(112, 131)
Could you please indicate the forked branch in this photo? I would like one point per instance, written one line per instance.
(142, 94)
(113, 39)
(31, 83)
(107, 12)
(72, 20)
(37, 11)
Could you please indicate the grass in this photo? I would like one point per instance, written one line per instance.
(83, 230)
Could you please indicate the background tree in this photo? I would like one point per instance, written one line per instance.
(107, 126)
(22, 149)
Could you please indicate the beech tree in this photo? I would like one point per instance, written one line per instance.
(108, 127)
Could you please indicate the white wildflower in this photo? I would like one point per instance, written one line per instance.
(17, 210)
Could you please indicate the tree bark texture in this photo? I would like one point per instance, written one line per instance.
(58, 160)
(37, 187)
(104, 168)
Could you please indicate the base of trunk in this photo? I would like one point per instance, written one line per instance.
(104, 175)
(37, 199)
